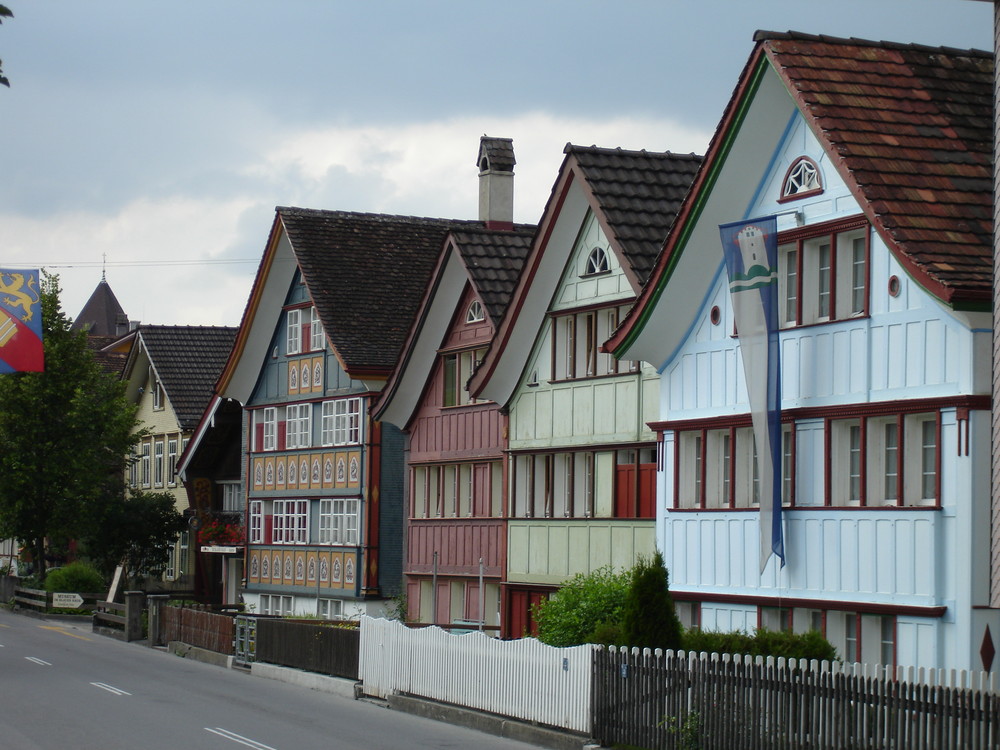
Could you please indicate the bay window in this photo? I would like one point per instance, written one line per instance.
(717, 468)
(341, 422)
(298, 426)
(338, 521)
(823, 273)
(576, 341)
(290, 522)
(884, 460)
(316, 338)
(293, 332)
(457, 368)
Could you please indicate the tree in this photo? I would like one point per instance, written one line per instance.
(4, 13)
(586, 604)
(65, 434)
(137, 533)
(649, 619)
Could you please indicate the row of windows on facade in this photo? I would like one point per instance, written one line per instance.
(326, 521)
(881, 460)
(858, 637)
(303, 331)
(290, 427)
(284, 605)
(823, 276)
(155, 463)
(578, 484)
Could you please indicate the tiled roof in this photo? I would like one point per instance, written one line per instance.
(912, 127)
(188, 360)
(102, 315)
(366, 274)
(495, 260)
(639, 193)
(499, 152)
(112, 362)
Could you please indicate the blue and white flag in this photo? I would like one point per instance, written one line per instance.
(751, 250)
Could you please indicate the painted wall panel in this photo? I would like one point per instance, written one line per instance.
(836, 554)
(549, 552)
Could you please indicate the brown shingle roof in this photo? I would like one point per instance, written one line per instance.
(366, 274)
(494, 260)
(639, 193)
(911, 126)
(188, 360)
(102, 315)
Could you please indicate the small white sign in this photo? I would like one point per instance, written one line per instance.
(219, 548)
(67, 601)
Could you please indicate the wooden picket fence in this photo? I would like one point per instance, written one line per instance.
(198, 628)
(676, 700)
(523, 679)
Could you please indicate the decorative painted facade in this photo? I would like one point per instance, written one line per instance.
(581, 460)
(319, 339)
(885, 359)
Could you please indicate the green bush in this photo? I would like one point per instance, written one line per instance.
(649, 619)
(583, 606)
(75, 578)
(809, 645)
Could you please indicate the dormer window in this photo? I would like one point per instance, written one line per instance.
(802, 179)
(476, 313)
(597, 262)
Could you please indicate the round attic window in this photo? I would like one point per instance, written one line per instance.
(715, 316)
(894, 286)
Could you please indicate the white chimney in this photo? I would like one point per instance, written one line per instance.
(496, 182)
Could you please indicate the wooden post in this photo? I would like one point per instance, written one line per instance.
(134, 606)
(156, 602)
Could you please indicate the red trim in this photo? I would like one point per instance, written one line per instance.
(552, 211)
(806, 193)
(868, 409)
(861, 607)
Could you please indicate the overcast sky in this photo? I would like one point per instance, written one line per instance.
(162, 135)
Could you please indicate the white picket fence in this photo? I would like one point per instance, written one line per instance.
(522, 679)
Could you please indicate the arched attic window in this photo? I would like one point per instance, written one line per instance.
(597, 262)
(475, 313)
(803, 178)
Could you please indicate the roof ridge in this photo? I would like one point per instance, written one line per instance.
(763, 35)
(372, 215)
(594, 149)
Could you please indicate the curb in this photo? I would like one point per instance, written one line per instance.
(323, 683)
(185, 651)
(500, 726)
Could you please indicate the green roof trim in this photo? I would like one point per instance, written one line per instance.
(715, 166)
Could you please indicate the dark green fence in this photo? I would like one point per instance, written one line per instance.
(316, 647)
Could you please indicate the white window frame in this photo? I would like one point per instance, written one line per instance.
(347, 421)
(598, 262)
(172, 462)
(232, 497)
(457, 369)
(317, 340)
(298, 426)
(146, 469)
(269, 418)
(339, 520)
(290, 523)
(826, 275)
(255, 527)
(476, 313)
(293, 331)
(577, 339)
(158, 463)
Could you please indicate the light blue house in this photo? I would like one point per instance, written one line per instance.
(876, 159)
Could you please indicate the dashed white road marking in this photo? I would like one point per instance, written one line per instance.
(110, 688)
(238, 738)
(36, 660)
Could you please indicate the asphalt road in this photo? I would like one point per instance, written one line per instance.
(61, 686)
